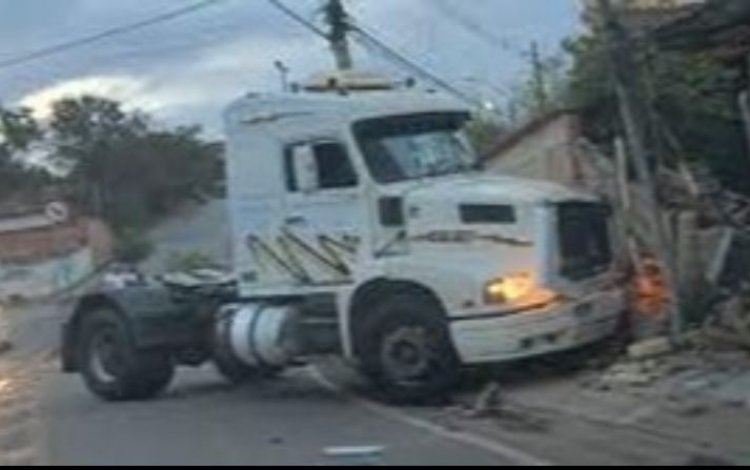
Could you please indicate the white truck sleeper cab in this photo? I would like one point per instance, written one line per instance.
(335, 194)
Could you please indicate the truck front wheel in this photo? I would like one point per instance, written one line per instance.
(407, 350)
(112, 367)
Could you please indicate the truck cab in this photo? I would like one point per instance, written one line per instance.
(370, 195)
(363, 226)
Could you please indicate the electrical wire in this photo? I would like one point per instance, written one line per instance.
(480, 31)
(404, 61)
(388, 50)
(119, 30)
(299, 18)
(200, 39)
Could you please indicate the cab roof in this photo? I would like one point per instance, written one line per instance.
(331, 106)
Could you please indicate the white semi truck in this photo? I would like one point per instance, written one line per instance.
(362, 226)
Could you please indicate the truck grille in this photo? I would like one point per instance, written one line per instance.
(583, 234)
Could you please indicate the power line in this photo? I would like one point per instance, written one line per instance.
(299, 19)
(405, 61)
(388, 50)
(472, 26)
(68, 45)
(198, 40)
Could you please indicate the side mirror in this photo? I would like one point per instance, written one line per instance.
(305, 169)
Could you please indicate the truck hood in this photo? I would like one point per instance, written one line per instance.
(480, 188)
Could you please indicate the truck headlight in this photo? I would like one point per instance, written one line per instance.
(517, 288)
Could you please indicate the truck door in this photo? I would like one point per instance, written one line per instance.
(322, 227)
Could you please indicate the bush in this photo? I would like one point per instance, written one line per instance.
(132, 247)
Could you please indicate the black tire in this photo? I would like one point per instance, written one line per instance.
(112, 367)
(407, 350)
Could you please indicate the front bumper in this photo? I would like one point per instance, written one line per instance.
(488, 337)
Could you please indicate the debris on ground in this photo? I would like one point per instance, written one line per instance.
(688, 382)
(5, 346)
(730, 321)
(648, 348)
(488, 402)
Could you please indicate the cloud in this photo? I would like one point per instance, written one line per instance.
(194, 91)
(188, 70)
(125, 89)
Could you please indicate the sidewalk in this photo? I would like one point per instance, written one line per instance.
(698, 399)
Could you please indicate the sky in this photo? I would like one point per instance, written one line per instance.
(187, 70)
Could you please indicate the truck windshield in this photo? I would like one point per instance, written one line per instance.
(413, 147)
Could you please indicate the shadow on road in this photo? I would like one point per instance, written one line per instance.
(290, 387)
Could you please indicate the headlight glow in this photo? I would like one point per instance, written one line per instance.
(517, 288)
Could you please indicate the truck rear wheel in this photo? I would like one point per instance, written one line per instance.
(407, 350)
(112, 367)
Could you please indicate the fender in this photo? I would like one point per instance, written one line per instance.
(156, 319)
(455, 286)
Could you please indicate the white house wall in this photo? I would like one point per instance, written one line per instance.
(45, 277)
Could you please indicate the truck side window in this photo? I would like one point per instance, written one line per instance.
(334, 169)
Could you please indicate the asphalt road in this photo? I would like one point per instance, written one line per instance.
(48, 417)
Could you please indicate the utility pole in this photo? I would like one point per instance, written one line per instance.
(338, 21)
(634, 121)
(283, 74)
(539, 84)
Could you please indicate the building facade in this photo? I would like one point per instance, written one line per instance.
(40, 256)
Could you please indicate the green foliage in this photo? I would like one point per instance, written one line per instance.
(693, 98)
(541, 90)
(590, 87)
(124, 170)
(544, 90)
(18, 131)
(132, 246)
(483, 133)
(189, 261)
(118, 165)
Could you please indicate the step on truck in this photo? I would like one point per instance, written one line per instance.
(362, 226)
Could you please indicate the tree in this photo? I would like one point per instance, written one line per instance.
(691, 95)
(124, 170)
(543, 89)
(86, 134)
(483, 133)
(132, 246)
(18, 130)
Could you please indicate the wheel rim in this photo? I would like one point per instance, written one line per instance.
(406, 355)
(105, 356)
